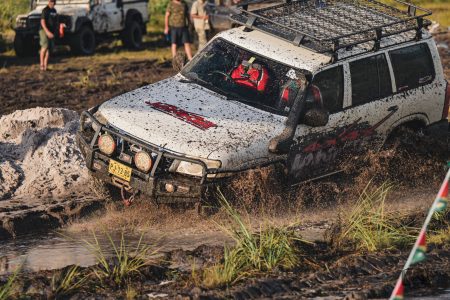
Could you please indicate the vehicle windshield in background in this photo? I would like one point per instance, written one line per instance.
(246, 77)
(59, 2)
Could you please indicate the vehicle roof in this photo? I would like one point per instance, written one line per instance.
(276, 49)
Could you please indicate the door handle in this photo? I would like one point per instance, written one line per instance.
(115, 13)
(393, 108)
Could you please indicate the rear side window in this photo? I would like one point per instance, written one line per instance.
(370, 79)
(413, 66)
(327, 89)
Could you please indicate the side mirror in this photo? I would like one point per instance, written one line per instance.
(316, 117)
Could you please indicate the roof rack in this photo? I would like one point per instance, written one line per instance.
(326, 26)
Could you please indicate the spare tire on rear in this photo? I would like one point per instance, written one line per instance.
(83, 42)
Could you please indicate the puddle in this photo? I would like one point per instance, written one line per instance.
(57, 250)
(47, 252)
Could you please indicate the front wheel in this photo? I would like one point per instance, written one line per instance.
(83, 42)
(24, 45)
(132, 35)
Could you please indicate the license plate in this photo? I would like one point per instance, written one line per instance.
(119, 170)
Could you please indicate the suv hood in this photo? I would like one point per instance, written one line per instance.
(188, 119)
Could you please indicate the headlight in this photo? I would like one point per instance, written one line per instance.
(106, 144)
(21, 22)
(143, 161)
(193, 169)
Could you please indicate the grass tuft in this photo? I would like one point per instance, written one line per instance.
(261, 251)
(125, 261)
(66, 282)
(5, 290)
(369, 227)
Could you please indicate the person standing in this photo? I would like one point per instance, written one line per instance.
(47, 32)
(176, 21)
(201, 24)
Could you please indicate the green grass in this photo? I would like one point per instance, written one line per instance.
(9, 10)
(66, 282)
(440, 237)
(126, 260)
(439, 8)
(5, 290)
(368, 226)
(253, 252)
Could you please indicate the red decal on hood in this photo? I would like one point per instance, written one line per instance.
(191, 118)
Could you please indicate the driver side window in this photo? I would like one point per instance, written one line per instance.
(327, 89)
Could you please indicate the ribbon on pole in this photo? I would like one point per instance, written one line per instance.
(418, 252)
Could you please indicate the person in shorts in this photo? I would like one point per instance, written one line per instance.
(47, 32)
(176, 22)
(200, 18)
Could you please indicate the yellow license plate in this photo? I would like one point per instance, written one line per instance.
(119, 170)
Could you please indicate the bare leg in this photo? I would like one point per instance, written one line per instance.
(47, 54)
(42, 57)
(187, 48)
(174, 50)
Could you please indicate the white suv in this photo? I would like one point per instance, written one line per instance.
(87, 22)
(304, 84)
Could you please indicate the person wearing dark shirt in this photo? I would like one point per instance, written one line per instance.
(47, 32)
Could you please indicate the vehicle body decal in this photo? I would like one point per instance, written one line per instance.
(188, 117)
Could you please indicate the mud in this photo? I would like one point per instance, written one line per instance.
(324, 273)
(73, 83)
(43, 179)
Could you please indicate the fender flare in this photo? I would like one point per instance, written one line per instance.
(417, 118)
(82, 21)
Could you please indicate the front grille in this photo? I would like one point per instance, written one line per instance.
(33, 22)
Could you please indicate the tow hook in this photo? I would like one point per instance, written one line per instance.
(127, 201)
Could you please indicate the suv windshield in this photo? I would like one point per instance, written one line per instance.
(246, 77)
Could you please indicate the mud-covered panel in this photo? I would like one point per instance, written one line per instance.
(321, 153)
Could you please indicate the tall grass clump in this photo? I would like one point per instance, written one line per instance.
(253, 252)
(9, 9)
(67, 281)
(368, 226)
(125, 262)
(5, 290)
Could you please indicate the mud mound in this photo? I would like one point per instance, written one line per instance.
(43, 179)
(38, 154)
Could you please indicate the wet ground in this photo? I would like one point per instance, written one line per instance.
(76, 83)
(79, 83)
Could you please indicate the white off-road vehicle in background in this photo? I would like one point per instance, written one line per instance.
(87, 22)
(303, 84)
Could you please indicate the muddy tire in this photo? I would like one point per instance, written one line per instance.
(24, 45)
(132, 35)
(83, 42)
(103, 190)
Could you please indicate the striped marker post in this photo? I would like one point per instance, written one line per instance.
(418, 252)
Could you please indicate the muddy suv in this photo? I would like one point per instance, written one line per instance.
(305, 85)
(87, 22)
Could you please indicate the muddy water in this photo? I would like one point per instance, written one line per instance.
(59, 249)
(47, 252)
